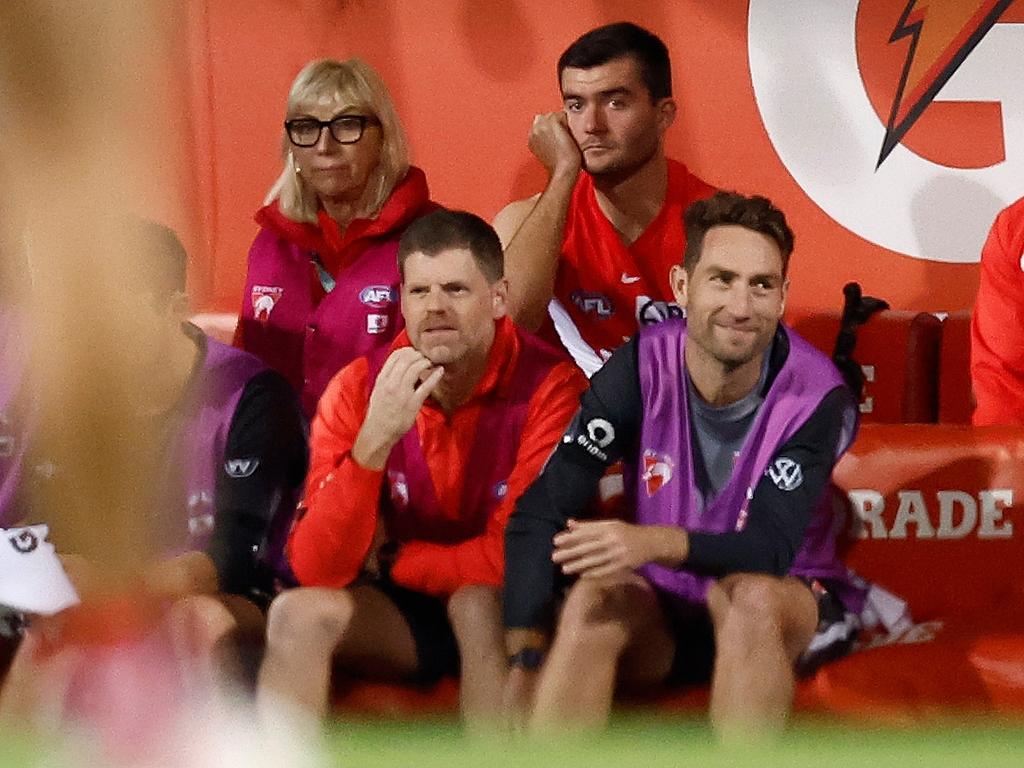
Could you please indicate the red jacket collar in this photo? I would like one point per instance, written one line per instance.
(409, 199)
(501, 359)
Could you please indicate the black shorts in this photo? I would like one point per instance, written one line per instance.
(437, 652)
(694, 633)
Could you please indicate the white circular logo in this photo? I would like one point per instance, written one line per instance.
(600, 432)
(815, 108)
(786, 474)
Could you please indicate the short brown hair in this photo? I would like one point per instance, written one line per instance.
(445, 230)
(756, 213)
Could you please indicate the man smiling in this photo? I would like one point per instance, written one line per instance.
(602, 236)
(416, 462)
(729, 425)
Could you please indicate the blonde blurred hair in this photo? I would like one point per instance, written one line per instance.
(350, 84)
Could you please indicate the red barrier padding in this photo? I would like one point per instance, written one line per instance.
(898, 352)
(956, 401)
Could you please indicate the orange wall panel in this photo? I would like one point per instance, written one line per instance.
(468, 76)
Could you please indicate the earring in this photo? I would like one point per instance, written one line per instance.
(297, 169)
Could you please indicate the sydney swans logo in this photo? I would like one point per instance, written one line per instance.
(867, 158)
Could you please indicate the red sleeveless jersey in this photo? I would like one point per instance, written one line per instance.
(604, 289)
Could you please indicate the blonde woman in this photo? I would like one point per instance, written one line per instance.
(322, 282)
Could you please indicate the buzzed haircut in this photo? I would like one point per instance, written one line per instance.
(755, 213)
(615, 41)
(445, 230)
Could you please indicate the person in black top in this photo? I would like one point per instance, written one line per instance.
(218, 516)
(616, 626)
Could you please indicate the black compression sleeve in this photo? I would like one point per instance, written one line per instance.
(268, 432)
(603, 430)
(777, 517)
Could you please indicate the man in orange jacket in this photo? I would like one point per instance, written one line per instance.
(997, 331)
(418, 457)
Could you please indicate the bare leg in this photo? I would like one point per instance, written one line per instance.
(475, 614)
(209, 631)
(309, 627)
(601, 621)
(762, 623)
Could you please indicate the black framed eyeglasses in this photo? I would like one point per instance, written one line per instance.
(345, 129)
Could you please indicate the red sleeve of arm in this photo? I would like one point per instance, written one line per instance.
(329, 543)
(997, 329)
(439, 569)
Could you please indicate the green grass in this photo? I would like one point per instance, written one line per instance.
(653, 743)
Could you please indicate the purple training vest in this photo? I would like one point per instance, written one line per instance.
(411, 510)
(309, 343)
(206, 414)
(665, 489)
(13, 414)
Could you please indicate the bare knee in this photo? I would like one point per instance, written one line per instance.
(474, 609)
(763, 607)
(310, 618)
(758, 600)
(599, 614)
(203, 620)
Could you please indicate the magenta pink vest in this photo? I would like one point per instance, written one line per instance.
(309, 343)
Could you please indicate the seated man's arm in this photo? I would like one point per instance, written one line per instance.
(777, 518)
(997, 327)
(531, 230)
(351, 439)
(604, 429)
(440, 569)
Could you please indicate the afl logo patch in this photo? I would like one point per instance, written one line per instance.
(786, 474)
(376, 296)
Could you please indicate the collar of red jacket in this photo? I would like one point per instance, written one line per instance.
(501, 359)
(407, 201)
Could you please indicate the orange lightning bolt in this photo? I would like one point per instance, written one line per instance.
(942, 35)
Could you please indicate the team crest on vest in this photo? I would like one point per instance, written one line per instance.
(399, 489)
(657, 470)
(264, 299)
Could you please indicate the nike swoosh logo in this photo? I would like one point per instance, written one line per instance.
(630, 279)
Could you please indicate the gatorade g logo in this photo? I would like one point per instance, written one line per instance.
(24, 542)
(902, 119)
